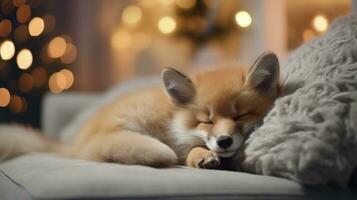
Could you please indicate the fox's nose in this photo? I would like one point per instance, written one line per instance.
(224, 141)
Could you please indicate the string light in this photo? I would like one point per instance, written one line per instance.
(36, 26)
(167, 25)
(186, 4)
(4, 97)
(24, 59)
(243, 19)
(7, 50)
(131, 15)
(56, 47)
(320, 23)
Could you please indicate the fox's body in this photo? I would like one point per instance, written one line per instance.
(192, 121)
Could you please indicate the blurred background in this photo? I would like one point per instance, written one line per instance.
(55, 46)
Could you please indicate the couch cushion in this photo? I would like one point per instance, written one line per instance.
(46, 176)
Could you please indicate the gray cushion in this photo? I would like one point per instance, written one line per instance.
(46, 176)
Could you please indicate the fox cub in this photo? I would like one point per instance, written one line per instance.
(194, 120)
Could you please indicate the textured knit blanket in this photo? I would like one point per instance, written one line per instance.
(310, 135)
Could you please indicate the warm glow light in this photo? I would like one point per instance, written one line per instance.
(26, 82)
(4, 97)
(5, 27)
(308, 34)
(243, 19)
(60, 81)
(7, 50)
(186, 4)
(320, 23)
(70, 55)
(23, 13)
(36, 26)
(131, 15)
(24, 59)
(121, 39)
(56, 47)
(40, 76)
(167, 25)
(69, 78)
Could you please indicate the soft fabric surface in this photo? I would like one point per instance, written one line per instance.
(46, 176)
(310, 135)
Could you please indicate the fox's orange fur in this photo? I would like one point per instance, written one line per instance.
(193, 121)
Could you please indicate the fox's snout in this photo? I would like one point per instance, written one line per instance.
(224, 141)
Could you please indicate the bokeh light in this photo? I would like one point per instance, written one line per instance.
(26, 82)
(243, 19)
(60, 81)
(18, 3)
(320, 23)
(167, 25)
(186, 4)
(23, 13)
(24, 59)
(121, 39)
(18, 104)
(69, 78)
(36, 26)
(70, 54)
(5, 27)
(7, 50)
(308, 34)
(6, 7)
(21, 33)
(56, 47)
(131, 15)
(40, 76)
(4, 97)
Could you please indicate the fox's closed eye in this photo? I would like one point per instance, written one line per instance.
(206, 122)
(240, 116)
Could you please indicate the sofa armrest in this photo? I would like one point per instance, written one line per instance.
(59, 109)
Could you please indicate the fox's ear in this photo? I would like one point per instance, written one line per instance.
(178, 86)
(264, 74)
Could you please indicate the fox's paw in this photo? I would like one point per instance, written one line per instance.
(209, 160)
(203, 158)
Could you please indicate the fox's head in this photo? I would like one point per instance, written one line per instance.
(222, 106)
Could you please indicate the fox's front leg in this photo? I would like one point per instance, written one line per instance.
(200, 157)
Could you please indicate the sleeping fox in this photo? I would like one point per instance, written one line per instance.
(193, 120)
